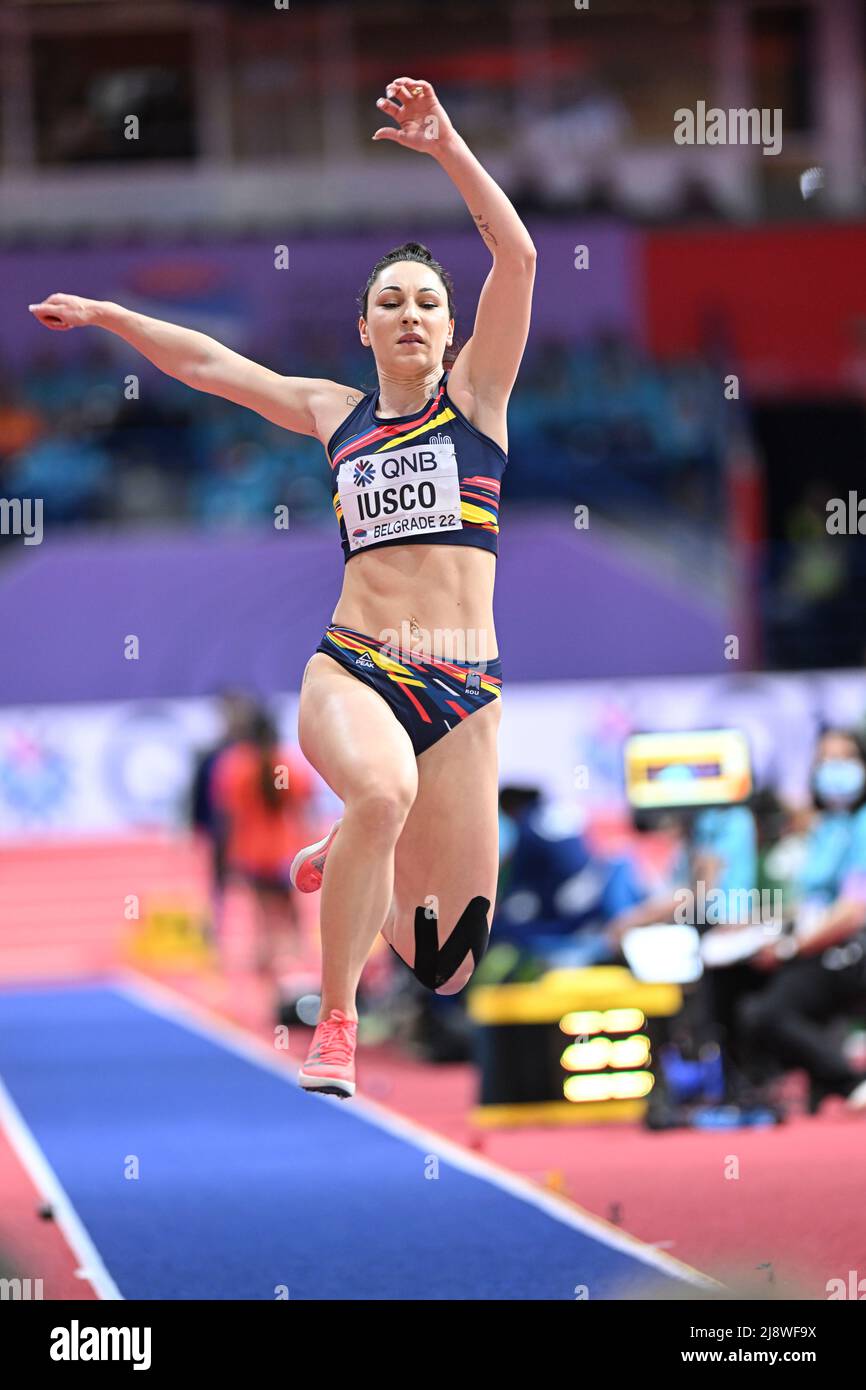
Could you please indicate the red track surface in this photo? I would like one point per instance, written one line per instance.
(33, 1248)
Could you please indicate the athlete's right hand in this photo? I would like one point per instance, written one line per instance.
(62, 311)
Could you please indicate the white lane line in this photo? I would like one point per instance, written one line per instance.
(46, 1181)
(162, 1000)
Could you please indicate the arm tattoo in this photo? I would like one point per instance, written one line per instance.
(484, 228)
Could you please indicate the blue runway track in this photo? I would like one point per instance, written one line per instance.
(247, 1186)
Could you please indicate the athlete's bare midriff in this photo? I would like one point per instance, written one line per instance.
(437, 598)
(429, 595)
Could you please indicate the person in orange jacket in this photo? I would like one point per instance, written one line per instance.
(263, 792)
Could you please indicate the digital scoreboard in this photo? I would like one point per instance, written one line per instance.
(570, 1048)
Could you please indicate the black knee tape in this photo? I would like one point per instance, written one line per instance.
(435, 965)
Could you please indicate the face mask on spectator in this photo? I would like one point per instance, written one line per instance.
(840, 781)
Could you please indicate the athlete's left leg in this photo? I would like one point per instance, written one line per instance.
(447, 857)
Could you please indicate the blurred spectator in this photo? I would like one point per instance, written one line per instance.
(557, 897)
(791, 1019)
(236, 711)
(716, 848)
(20, 424)
(716, 864)
(66, 468)
(264, 792)
(244, 486)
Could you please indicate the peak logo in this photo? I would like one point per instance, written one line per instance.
(76, 1343)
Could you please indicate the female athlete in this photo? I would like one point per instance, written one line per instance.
(400, 704)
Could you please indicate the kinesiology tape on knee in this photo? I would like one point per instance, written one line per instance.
(435, 964)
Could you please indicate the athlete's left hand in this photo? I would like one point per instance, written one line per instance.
(422, 123)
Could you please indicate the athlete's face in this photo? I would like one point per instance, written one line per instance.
(407, 324)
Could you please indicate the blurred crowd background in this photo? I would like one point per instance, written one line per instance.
(252, 123)
(627, 435)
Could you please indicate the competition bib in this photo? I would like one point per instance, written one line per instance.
(414, 491)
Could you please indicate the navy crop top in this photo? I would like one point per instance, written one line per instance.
(430, 476)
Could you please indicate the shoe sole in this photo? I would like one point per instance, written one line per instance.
(327, 1086)
(310, 852)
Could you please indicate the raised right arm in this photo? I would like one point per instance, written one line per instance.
(306, 405)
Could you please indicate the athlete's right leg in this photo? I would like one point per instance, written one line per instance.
(351, 737)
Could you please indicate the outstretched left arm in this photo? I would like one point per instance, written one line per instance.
(487, 365)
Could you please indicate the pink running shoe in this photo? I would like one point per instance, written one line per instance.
(308, 864)
(330, 1064)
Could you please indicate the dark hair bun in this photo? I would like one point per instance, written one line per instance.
(414, 248)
